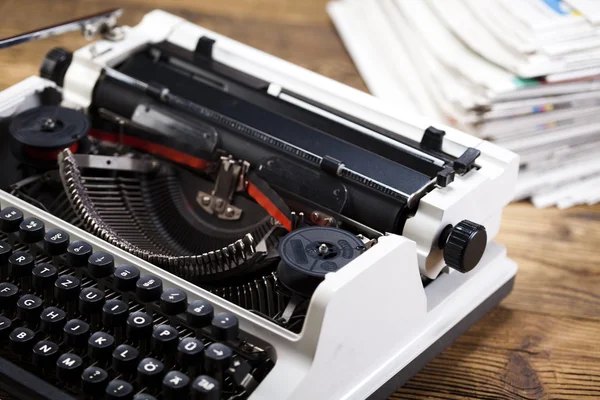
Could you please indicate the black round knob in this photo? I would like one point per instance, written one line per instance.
(463, 245)
(55, 65)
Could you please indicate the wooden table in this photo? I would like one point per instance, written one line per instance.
(543, 342)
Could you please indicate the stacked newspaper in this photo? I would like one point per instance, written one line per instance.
(522, 73)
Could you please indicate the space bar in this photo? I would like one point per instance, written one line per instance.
(24, 385)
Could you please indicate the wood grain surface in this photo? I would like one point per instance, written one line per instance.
(542, 342)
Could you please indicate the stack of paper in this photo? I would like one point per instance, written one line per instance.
(522, 73)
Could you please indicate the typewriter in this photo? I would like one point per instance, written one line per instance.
(184, 216)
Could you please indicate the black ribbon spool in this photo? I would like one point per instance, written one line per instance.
(308, 254)
(39, 134)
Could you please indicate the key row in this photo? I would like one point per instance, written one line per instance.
(113, 313)
(164, 339)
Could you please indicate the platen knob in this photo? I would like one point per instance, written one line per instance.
(55, 65)
(463, 245)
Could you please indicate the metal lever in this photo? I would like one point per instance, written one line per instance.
(230, 179)
(101, 23)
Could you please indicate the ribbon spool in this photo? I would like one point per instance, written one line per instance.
(41, 133)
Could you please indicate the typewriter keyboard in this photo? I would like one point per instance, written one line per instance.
(88, 326)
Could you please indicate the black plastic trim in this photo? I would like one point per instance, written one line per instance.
(205, 46)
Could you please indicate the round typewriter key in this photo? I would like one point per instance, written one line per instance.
(5, 252)
(20, 264)
(5, 327)
(69, 367)
(29, 308)
(165, 339)
(217, 357)
(9, 294)
(94, 381)
(150, 372)
(175, 386)
(66, 288)
(100, 346)
(125, 278)
(190, 352)
(173, 301)
(43, 276)
(53, 320)
(91, 301)
(148, 288)
(101, 265)
(125, 359)
(199, 314)
(76, 333)
(114, 313)
(225, 327)
(10, 219)
(21, 340)
(31, 230)
(56, 242)
(78, 254)
(239, 370)
(45, 354)
(139, 326)
(119, 390)
(206, 388)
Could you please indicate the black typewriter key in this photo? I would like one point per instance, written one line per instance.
(43, 276)
(20, 264)
(101, 265)
(225, 327)
(173, 301)
(56, 242)
(94, 381)
(101, 346)
(199, 314)
(45, 354)
(206, 388)
(114, 313)
(175, 386)
(29, 308)
(78, 254)
(9, 294)
(5, 327)
(53, 320)
(125, 277)
(5, 252)
(125, 359)
(31, 230)
(139, 326)
(91, 301)
(148, 288)
(66, 288)
(21, 340)
(76, 333)
(150, 372)
(165, 339)
(217, 357)
(69, 367)
(238, 370)
(119, 390)
(144, 396)
(10, 219)
(190, 353)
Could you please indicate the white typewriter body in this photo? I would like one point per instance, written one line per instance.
(372, 325)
